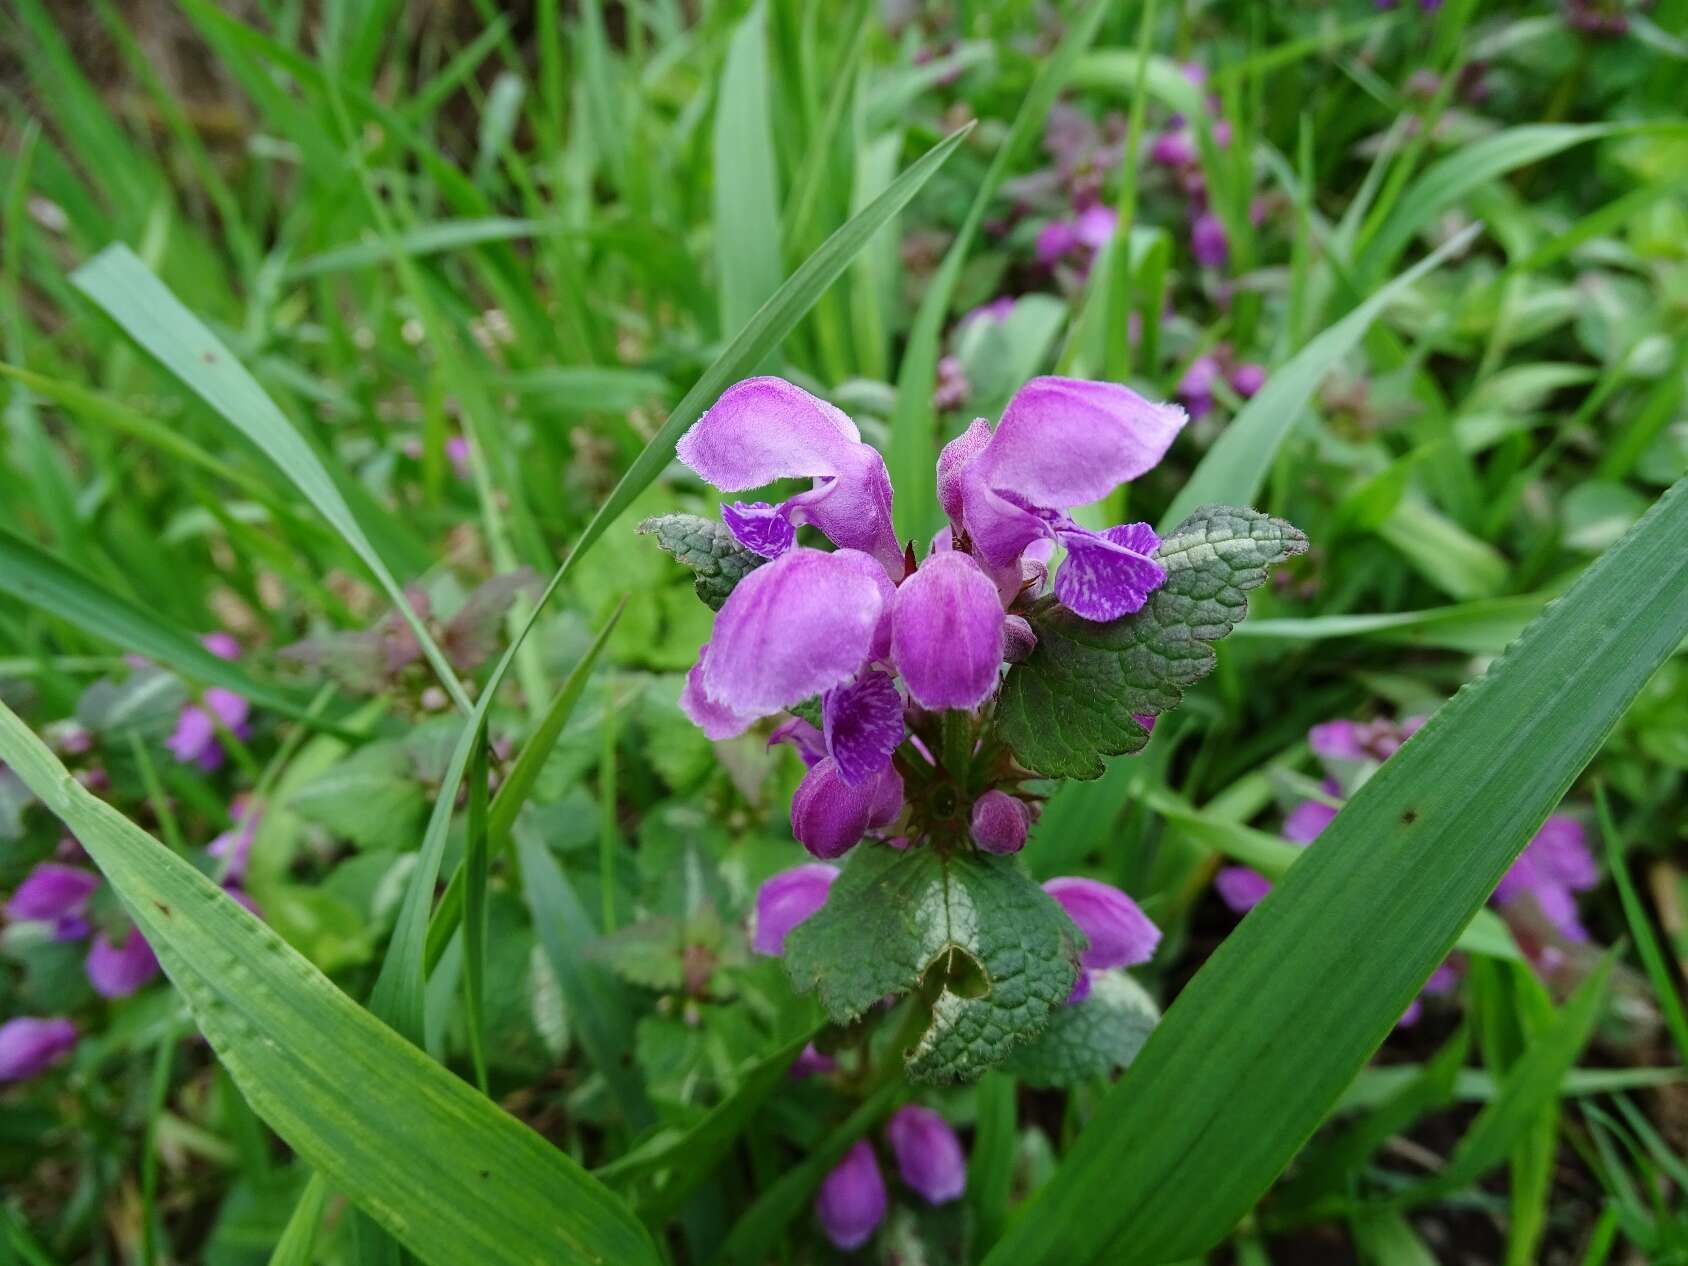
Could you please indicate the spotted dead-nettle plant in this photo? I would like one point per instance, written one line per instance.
(935, 695)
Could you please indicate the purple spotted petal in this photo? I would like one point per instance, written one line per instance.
(999, 822)
(828, 815)
(785, 900)
(1241, 887)
(765, 429)
(1120, 934)
(851, 1202)
(759, 527)
(1303, 823)
(863, 725)
(809, 742)
(715, 720)
(929, 1155)
(1103, 577)
(793, 629)
(52, 892)
(946, 633)
(116, 971)
(30, 1045)
(887, 799)
(1064, 442)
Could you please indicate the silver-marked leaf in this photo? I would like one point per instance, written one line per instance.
(1089, 1039)
(708, 548)
(990, 949)
(1072, 702)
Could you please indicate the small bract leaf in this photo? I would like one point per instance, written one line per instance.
(708, 548)
(1073, 701)
(1092, 1038)
(994, 952)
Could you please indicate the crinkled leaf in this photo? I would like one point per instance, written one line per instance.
(1072, 702)
(371, 798)
(993, 952)
(1092, 1038)
(708, 548)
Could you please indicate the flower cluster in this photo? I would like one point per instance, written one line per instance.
(852, 1199)
(195, 739)
(871, 643)
(1538, 894)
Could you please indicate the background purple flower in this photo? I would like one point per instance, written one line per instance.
(30, 1045)
(852, 1199)
(929, 1155)
(785, 900)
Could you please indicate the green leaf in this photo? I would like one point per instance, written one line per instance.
(708, 548)
(435, 1163)
(747, 206)
(122, 287)
(1073, 701)
(1089, 1039)
(991, 949)
(298, 1238)
(1234, 469)
(32, 575)
(371, 798)
(1274, 1027)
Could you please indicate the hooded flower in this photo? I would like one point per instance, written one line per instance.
(1061, 443)
(851, 1202)
(865, 629)
(929, 1155)
(117, 969)
(1000, 822)
(195, 737)
(55, 894)
(1119, 933)
(30, 1045)
(785, 900)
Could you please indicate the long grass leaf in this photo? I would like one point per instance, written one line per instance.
(1268, 1034)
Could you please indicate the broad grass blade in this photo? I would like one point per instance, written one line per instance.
(448, 1173)
(1270, 1032)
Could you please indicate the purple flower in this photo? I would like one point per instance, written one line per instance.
(116, 971)
(222, 645)
(953, 388)
(765, 429)
(1241, 887)
(234, 846)
(929, 1155)
(457, 453)
(1173, 148)
(1552, 869)
(812, 1062)
(1000, 822)
(1095, 226)
(1208, 242)
(1061, 443)
(1195, 388)
(1248, 379)
(195, 736)
(785, 900)
(996, 311)
(1120, 934)
(30, 1045)
(55, 894)
(1304, 822)
(1055, 241)
(851, 1202)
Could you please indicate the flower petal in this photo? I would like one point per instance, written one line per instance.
(794, 628)
(929, 1155)
(1120, 934)
(759, 527)
(828, 815)
(1241, 887)
(809, 742)
(863, 725)
(946, 633)
(116, 971)
(954, 459)
(999, 822)
(717, 721)
(52, 892)
(1102, 577)
(30, 1045)
(1303, 823)
(785, 900)
(1063, 442)
(851, 1202)
(764, 429)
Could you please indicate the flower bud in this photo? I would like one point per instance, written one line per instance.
(785, 900)
(1000, 822)
(851, 1202)
(116, 971)
(929, 1155)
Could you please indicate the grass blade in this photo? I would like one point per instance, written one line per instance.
(298, 1238)
(1267, 1035)
(747, 200)
(445, 1171)
(1641, 930)
(1234, 469)
(122, 287)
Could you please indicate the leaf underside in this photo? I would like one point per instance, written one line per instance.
(708, 548)
(995, 952)
(1073, 701)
